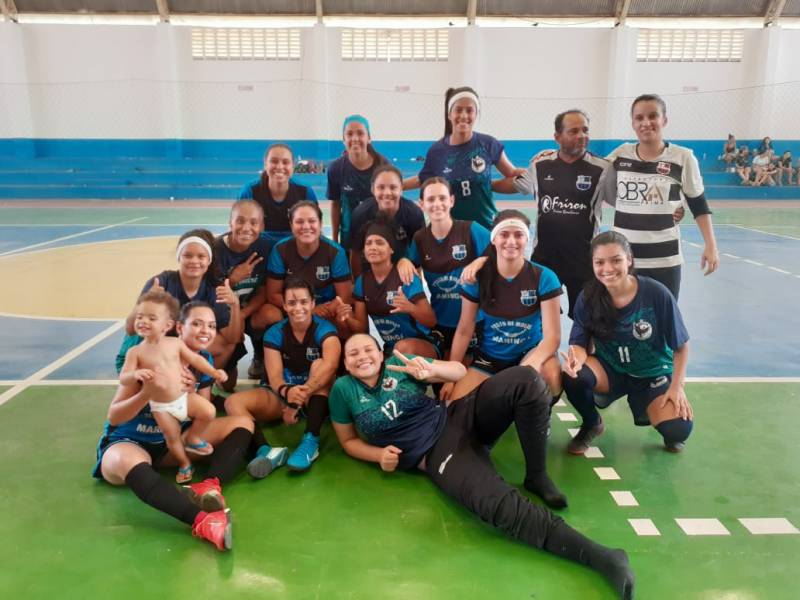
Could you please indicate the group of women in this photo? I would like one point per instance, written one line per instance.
(486, 335)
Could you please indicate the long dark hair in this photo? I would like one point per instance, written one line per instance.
(488, 273)
(448, 126)
(603, 315)
(213, 275)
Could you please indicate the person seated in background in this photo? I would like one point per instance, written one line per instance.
(763, 169)
(729, 153)
(765, 145)
(785, 168)
(743, 167)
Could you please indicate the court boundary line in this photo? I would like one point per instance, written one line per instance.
(49, 318)
(24, 249)
(59, 362)
(778, 235)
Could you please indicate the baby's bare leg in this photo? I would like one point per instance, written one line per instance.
(171, 428)
(202, 412)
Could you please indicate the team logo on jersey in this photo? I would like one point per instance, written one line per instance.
(347, 188)
(460, 251)
(546, 204)
(478, 164)
(658, 382)
(447, 171)
(389, 384)
(509, 330)
(527, 297)
(446, 283)
(642, 330)
(312, 353)
(583, 182)
(663, 168)
(549, 177)
(390, 297)
(387, 328)
(323, 273)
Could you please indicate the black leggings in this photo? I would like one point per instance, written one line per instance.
(459, 462)
(669, 276)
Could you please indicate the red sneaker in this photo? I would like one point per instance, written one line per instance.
(214, 527)
(207, 494)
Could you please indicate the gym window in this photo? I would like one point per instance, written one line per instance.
(689, 45)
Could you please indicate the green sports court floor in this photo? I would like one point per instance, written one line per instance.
(347, 530)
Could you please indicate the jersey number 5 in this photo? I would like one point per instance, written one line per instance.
(390, 410)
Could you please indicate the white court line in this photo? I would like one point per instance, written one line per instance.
(58, 363)
(753, 262)
(743, 379)
(780, 235)
(607, 473)
(68, 237)
(769, 526)
(702, 527)
(777, 270)
(644, 527)
(593, 452)
(731, 256)
(49, 318)
(624, 498)
(567, 417)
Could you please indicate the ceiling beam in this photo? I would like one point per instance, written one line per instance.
(621, 11)
(774, 11)
(9, 10)
(320, 11)
(163, 10)
(472, 11)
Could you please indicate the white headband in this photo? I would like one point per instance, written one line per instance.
(511, 224)
(465, 94)
(193, 239)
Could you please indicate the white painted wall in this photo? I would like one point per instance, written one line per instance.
(75, 81)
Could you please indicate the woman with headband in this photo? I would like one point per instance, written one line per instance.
(276, 192)
(401, 313)
(197, 278)
(465, 157)
(519, 303)
(350, 176)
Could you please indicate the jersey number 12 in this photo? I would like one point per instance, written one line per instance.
(390, 410)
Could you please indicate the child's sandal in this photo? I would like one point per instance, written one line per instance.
(201, 449)
(185, 474)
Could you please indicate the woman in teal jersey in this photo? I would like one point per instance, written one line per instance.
(640, 349)
(465, 157)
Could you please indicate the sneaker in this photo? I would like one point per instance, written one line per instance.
(580, 443)
(214, 527)
(305, 454)
(256, 369)
(266, 461)
(206, 494)
(674, 447)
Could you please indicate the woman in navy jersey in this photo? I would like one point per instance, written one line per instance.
(401, 313)
(132, 445)
(313, 257)
(276, 192)
(242, 255)
(640, 349)
(302, 355)
(519, 303)
(465, 158)
(197, 278)
(350, 176)
(442, 250)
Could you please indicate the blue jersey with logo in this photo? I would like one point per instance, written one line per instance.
(298, 354)
(229, 259)
(207, 292)
(350, 187)
(379, 299)
(468, 168)
(395, 412)
(648, 331)
(326, 266)
(513, 320)
(442, 261)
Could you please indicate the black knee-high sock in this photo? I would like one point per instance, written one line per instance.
(156, 491)
(580, 393)
(316, 411)
(257, 440)
(612, 563)
(228, 456)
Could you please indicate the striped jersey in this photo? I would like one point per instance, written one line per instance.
(645, 196)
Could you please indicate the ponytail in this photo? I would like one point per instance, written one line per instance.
(603, 315)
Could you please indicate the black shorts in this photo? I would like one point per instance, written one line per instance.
(156, 451)
(641, 391)
(442, 339)
(490, 365)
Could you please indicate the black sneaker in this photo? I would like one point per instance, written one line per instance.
(580, 443)
(256, 369)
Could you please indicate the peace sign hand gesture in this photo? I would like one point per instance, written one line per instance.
(244, 270)
(572, 364)
(417, 367)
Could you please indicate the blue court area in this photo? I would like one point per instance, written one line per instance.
(742, 319)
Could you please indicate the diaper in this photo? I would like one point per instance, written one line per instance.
(178, 408)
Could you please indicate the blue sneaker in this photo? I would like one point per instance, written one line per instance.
(266, 461)
(305, 454)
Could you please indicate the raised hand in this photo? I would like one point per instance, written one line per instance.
(156, 285)
(225, 294)
(244, 270)
(417, 367)
(343, 310)
(401, 303)
(571, 364)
